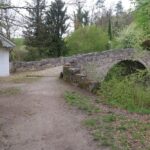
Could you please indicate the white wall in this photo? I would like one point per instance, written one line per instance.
(4, 62)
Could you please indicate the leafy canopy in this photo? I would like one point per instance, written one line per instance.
(87, 39)
(143, 14)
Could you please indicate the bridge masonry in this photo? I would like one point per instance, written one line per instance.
(104, 61)
(75, 69)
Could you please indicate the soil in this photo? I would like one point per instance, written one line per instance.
(39, 119)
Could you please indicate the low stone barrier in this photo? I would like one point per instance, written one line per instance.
(35, 65)
(105, 60)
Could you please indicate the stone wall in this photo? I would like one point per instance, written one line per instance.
(74, 70)
(36, 65)
(104, 60)
(73, 74)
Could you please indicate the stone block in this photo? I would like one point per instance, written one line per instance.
(74, 70)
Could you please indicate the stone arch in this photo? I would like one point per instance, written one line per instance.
(129, 66)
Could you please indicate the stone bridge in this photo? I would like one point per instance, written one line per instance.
(104, 61)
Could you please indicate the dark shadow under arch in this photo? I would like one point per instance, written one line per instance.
(124, 68)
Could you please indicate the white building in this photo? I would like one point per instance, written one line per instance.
(5, 47)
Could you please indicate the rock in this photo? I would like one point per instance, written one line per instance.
(74, 70)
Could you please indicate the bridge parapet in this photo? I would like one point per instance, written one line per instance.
(104, 61)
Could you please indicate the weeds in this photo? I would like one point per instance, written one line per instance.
(81, 102)
(118, 132)
(110, 130)
(131, 92)
(19, 78)
(9, 91)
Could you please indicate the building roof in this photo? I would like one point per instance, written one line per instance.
(6, 43)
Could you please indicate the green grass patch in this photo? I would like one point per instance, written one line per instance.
(9, 91)
(130, 92)
(119, 132)
(116, 132)
(81, 102)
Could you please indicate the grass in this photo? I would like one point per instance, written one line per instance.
(9, 91)
(81, 102)
(19, 78)
(118, 132)
(128, 93)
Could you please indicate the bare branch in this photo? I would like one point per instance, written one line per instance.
(25, 7)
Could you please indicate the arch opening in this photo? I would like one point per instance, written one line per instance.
(124, 68)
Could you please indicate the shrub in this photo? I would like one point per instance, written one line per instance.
(142, 15)
(19, 53)
(129, 37)
(87, 39)
(130, 92)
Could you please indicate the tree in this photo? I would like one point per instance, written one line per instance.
(7, 18)
(119, 13)
(56, 27)
(119, 8)
(34, 33)
(110, 24)
(87, 39)
(86, 18)
(100, 3)
(100, 6)
(143, 15)
(81, 17)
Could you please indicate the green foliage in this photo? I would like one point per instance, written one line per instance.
(110, 28)
(124, 68)
(112, 130)
(24, 53)
(109, 118)
(81, 102)
(19, 53)
(19, 42)
(81, 17)
(33, 54)
(119, 132)
(119, 8)
(143, 15)
(34, 32)
(87, 39)
(130, 92)
(56, 27)
(129, 37)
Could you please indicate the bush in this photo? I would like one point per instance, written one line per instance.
(23, 53)
(19, 53)
(87, 39)
(130, 93)
(142, 15)
(130, 37)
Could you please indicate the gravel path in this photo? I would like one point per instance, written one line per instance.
(39, 118)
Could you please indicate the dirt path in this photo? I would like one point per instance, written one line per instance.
(39, 119)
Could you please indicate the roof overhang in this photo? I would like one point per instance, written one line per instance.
(6, 43)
